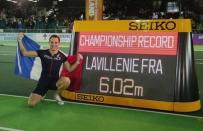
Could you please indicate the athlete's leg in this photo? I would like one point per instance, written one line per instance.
(62, 84)
(34, 99)
(38, 93)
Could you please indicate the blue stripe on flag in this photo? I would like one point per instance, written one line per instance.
(23, 65)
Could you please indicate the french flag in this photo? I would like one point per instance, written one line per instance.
(31, 67)
(26, 66)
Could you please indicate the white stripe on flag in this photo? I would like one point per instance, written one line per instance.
(36, 69)
(18, 57)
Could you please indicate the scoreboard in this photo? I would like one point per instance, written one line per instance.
(137, 63)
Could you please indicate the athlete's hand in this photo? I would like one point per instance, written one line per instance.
(79, 56)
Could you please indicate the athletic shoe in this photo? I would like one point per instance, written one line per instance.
(58, 99)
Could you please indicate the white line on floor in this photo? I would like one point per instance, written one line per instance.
(9, 129)
(108, 106)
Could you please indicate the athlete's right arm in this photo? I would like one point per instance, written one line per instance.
(23, 50)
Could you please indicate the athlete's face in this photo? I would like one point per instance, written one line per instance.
(54, 44)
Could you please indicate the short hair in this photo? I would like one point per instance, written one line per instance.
(54, 36)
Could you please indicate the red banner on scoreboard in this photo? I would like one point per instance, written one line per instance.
(129, 43)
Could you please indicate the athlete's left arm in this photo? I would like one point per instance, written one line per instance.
(72, 67)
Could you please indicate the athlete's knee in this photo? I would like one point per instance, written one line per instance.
(30, 104)
(34, 99)
(63, 83)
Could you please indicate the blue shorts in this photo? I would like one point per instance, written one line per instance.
(45, 84)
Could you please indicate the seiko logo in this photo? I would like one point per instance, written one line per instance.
(90, 98)
(158, 25)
